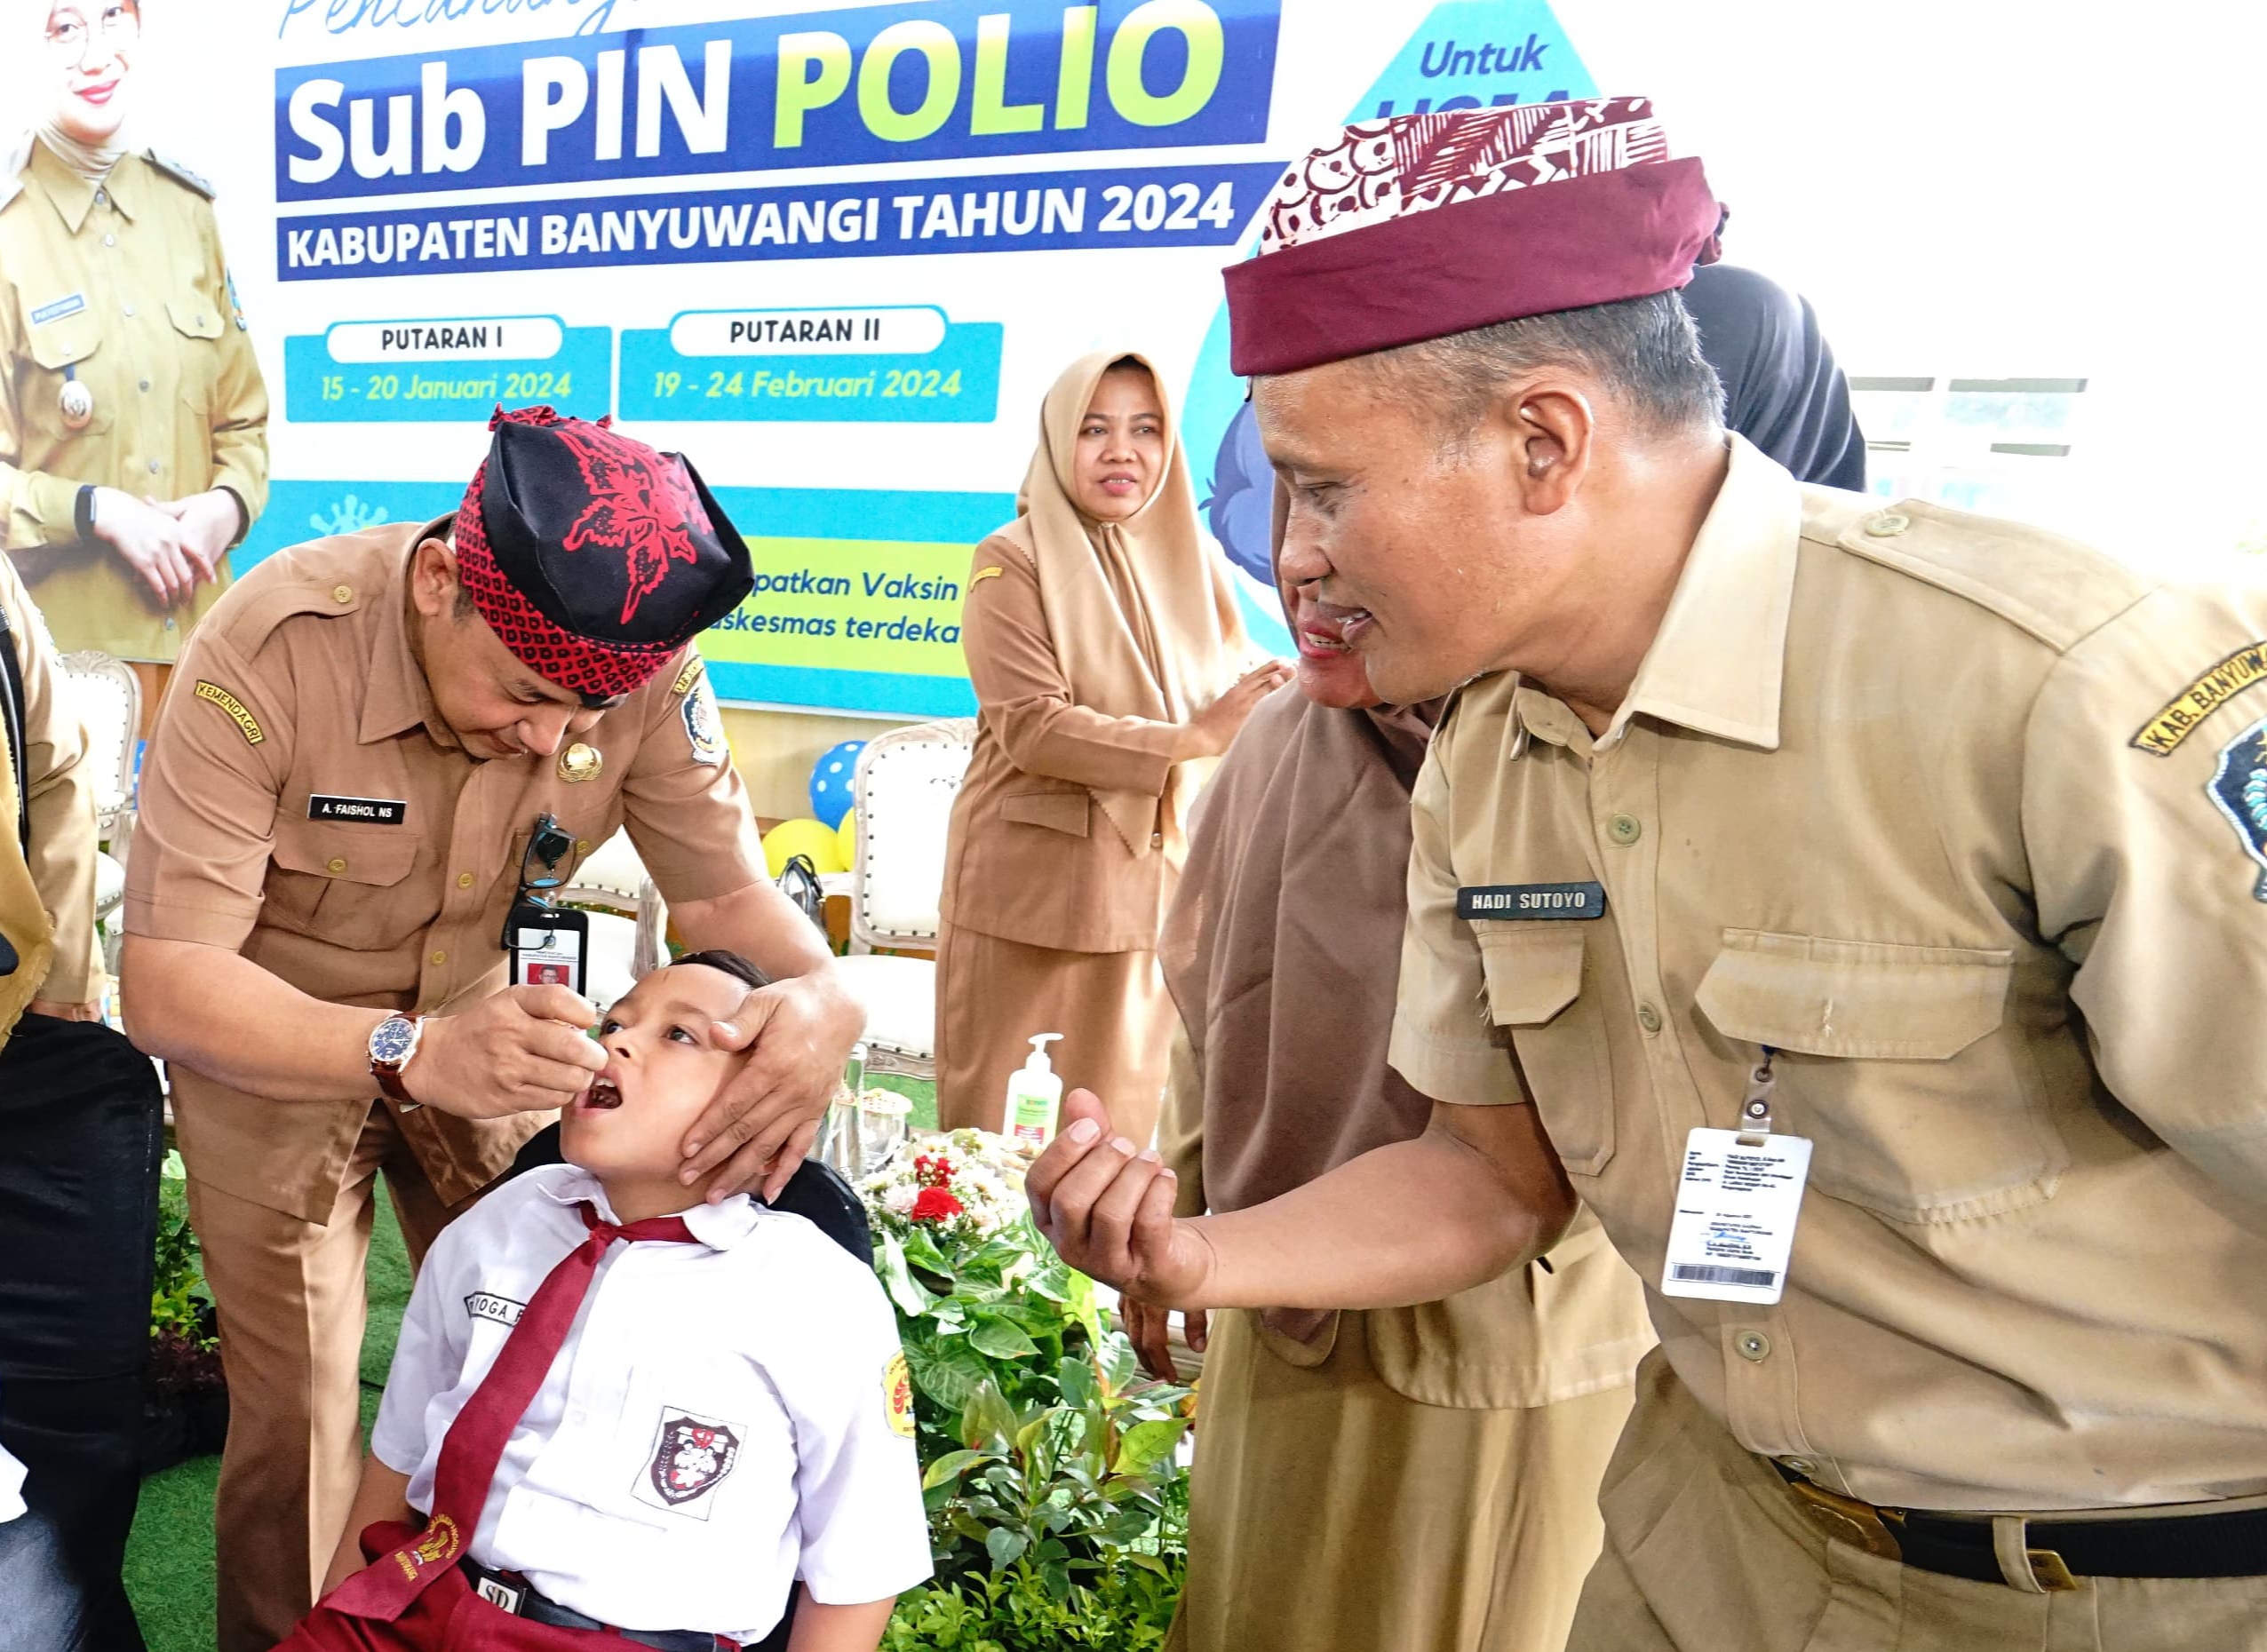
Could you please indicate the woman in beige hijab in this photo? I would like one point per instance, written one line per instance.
(1108, 665)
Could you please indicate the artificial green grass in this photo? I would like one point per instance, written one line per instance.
(169, 1562)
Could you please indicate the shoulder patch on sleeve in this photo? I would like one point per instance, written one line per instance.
(179, 174)
(897, 1396)
(703, 729)
(2238, 791)
(2057, 590)
(2185, 712)
(238, 713)
(694, 666)
(983, 573)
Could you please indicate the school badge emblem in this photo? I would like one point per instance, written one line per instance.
(2238, 791)
(691, 1454)
(897, 1394)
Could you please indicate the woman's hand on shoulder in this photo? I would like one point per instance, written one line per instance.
(1213, 730)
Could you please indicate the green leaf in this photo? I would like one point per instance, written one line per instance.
(1119, 1363)
(922, 1252)
(1001, 1338)
(1076, 1379)
(1145, 1445)
(1004, 1546)
(912, 1297)
(948, 1467)
(987, 1415)
(1079, 1293)
(947, 1369)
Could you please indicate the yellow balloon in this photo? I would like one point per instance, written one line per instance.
(847, 840)
(814, 838)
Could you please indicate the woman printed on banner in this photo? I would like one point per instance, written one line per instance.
(133, 421)
(1109, 665)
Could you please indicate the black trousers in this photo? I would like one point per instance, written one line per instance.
(81, 1140)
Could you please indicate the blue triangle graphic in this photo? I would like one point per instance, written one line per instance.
(1528, 59)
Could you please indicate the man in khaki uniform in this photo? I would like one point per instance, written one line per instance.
(1924, 844)
(133, 421)
(335, 809)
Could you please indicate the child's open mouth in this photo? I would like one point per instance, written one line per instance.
(602, 1097)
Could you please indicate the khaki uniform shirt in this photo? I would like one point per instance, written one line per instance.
(1031, 857)
(124, 288)
(47, 886)
(302, 686)
(1964, 820)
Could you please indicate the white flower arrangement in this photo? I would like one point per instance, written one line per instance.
(965, 1185)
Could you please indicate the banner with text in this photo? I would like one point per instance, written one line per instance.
(727, 226)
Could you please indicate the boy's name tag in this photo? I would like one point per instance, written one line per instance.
(1736, 1210)
(1531, 900)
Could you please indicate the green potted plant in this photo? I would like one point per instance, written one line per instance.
(185, 1397)
(1052, 1470)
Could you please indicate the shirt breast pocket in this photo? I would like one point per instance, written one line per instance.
(1894, 1064)
(1540, 990)
(63, 350)
(197, 325)
(343, 885)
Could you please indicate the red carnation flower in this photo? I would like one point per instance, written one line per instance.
(935, 1205)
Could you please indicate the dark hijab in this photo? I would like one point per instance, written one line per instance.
(1283, 946)
(1782, 390)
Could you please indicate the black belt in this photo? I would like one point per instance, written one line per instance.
(509, 1592)
(2203, 1544)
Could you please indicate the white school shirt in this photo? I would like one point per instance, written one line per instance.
(724, 1418)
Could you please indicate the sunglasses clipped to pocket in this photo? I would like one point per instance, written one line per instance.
(547, 943)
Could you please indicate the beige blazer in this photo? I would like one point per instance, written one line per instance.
(1031, 858)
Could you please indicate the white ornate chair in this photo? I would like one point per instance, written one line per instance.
(903, 791)
(108, 699)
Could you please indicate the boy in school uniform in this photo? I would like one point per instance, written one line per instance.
(701, 1438)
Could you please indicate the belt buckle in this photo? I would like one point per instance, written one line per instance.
(499, 1595)
(2048, 1567)
(1848, 1521)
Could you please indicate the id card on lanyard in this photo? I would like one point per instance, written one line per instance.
(1737, 1204)
(549, 946)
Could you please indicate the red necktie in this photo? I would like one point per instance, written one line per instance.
(477, 1438)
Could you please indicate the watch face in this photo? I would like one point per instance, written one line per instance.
(392, 1041)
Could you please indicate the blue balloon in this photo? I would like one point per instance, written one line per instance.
(830, 778)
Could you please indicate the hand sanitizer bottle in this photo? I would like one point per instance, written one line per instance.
(1034, 1096)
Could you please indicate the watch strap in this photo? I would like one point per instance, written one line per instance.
(83, 512)
(388, 1074)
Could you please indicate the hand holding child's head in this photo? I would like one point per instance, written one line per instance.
(665, 1062)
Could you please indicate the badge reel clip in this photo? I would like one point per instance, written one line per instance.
(547, 943)
(1756, 1106)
